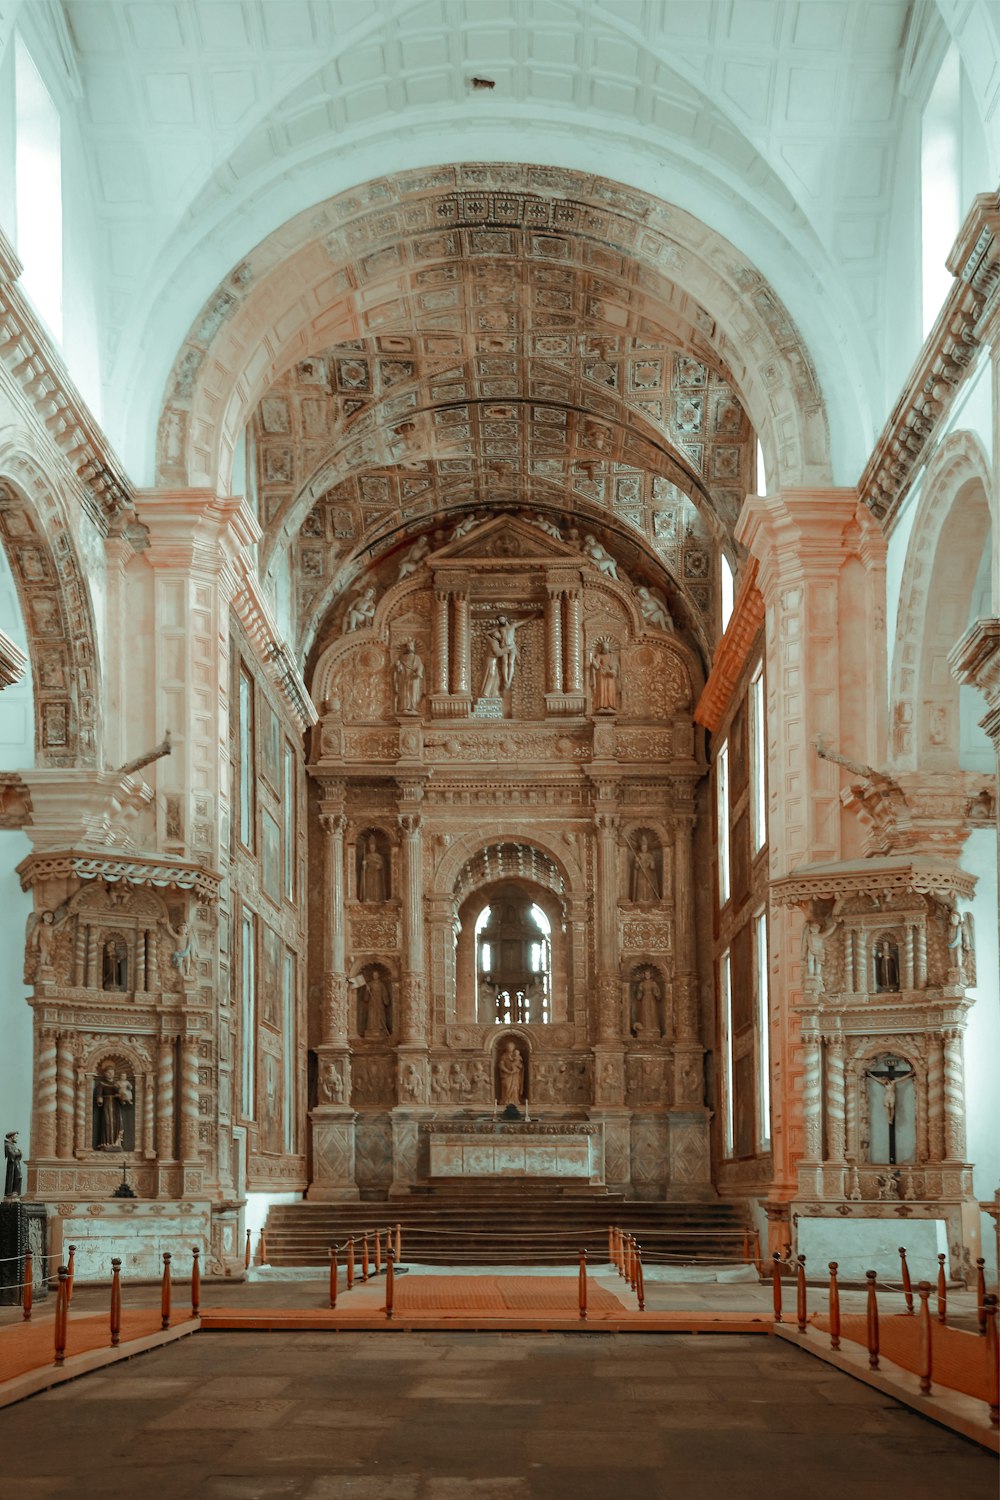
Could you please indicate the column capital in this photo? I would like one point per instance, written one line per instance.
(797, 532)
(333, 823)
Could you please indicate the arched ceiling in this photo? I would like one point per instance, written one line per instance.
(205, 127)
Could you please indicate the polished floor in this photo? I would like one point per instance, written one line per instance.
(487, 1416)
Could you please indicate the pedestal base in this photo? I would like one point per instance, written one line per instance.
(333, 1179)
(22, 1227)
(690, 1156)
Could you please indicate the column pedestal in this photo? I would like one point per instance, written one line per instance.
(333, 1174)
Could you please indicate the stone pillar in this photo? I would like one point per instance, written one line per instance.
(954, 1096)
(43, 1125)
(441, 642)
(64, 1096)
(573, 676)
(606, 822)
(461, 676)
(413, 1028)
(554, 655)
(189, 1099)
(836, 1114)
(81, 1132)
(334, 825)
(165, 1148)
(685, 975)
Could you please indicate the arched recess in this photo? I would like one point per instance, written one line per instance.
(58, 616)
(312, 284)
(951, 532)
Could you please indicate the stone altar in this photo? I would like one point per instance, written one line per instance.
(487, 1149)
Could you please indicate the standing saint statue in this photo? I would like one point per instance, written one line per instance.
(110, 1103)
(377, 1013)
(409, 675)
(645, 886)
(511, 1070)
(647, 1003)
(502, 659)
(603, 679)
(12, 1161)
(372, 873)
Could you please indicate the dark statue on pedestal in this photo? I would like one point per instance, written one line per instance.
(14, 1178)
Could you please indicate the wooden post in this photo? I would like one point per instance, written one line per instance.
(62, 1307)
(364, 1256)
(583, 1284)
(399, 1243)
(195, 1281)
(350, 1263)
(262, 1249)
(70, 1275)
(924, 1359)
(378, 1252)
(942, 1291)
(872, 1310)
(992, 1366)
(907, 1284)
(165, 1291)
(776, 1285)
(611, 1244)
(246, 1254)
(631, 1261)
(981, 1293)
(834, 1307)
(640, 1288)
(746, 1246)
(390, 1281)
(28, 1286)
(800, 1294)
(116, 1302)
(334, 1270)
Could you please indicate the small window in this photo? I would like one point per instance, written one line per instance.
(38, 190)
(726, 588)
(726, 1044)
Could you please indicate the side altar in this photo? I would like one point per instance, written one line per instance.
(488, 1149)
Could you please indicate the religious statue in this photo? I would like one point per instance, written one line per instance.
(961, 944)
(411, 1083)
(534, 995)
(183, 949)
(503, 657)
(888, 1087)
(465, 525)
(647, 1004)
(814, 936)
(653, 607)
(114, 967)
(487, 998)
(13, 1180)
(603, 679)
(409, 675)
(645, 886)
(886, 956)
(361, 610)
(110, 1104)
(331, 1083)
(602, 560)
(510, 1067)
(414, 558)
(439, 1083)
(377, 1014)
(544, 524)
(372, 873)
(42, 940)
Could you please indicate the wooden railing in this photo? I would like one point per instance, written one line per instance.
(369, 1259)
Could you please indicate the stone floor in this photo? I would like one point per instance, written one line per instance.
(478, 1417)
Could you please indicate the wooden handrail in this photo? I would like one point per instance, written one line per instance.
(583, 1285)
(981, 1293)
(776, 1285)
(390, 1281)
(992, 1359)
(907, 1284)
(926, 1356)
(116, 1303)
(28, 1286)
(262, 1248)
(834, 1307)
(350, 1263)
(399, 1243)
(942, 1291)
(195, 1281)
(62, 1308)
(872, 1321)
(165, 1291)
(758, 1264)
(800, 1294)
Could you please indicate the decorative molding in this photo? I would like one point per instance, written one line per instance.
(890, 874)
(13, 662)
(948, 352)
(975, 660)
(27, 353)
(733, 651)
(81, 865)
(15, 801)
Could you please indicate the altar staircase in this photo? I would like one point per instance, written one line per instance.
(509, 1225)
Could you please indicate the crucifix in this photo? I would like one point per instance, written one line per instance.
(887, 1078)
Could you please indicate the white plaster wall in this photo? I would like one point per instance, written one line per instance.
(17, 739)
(255, 1214)
(982, 1039)
(860, 1245)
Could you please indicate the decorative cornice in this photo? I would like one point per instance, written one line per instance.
(890, 875)
(975, 660)
(13, 662)
(27, 353)
(159, 872)
(733, 651)
(949, 350)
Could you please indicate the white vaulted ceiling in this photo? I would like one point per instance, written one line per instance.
(208, 123)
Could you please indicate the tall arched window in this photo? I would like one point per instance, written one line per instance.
(513, 960)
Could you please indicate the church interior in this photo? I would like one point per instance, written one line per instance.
(499, 636)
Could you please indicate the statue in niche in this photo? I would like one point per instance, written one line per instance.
(814, 936)
(647, 995)
(360, 611)
(331, 1083)
(601, 559)
(510, 1075)
(603, 679)
(182, 956)
(653, 607)
(378, 1006)
(114, 967)
(503, 657)
(13, 1176)
(413, 558)
(373, 885)
(962, 943)
(644, 885)
(409, 677)
(886, 962)
(113, 1103)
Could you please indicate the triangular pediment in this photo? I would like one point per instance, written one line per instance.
(504, 539)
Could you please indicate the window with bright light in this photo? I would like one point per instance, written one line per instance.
(38, 190)
(763, 1032)
(726, 588)
(514, 963)
(940, 183)
(761, 470)
(726, 1041)
(722, 813)
(248, 1014)
(758, 760)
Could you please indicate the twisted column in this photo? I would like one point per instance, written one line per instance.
(334, 825)
(43, 1130)
(954, 1097)
(441, 651)
(189, 1099)
(935, 1100)
(462, 666)
(64, 1096)
(574, 643)
(554, 662)
(413, 1026)
(81, 1130)
(836, 1104)
(165, 1099)
(812, 1091)
(920, 965)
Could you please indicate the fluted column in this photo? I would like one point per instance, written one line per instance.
(64, 1096)
(189, 1098)
(812, 1091)
(836, 1114)
(441, 642)
(413, 1021)
(335, 1024)
(43, 1131)
(553, 621)
(954, 1097)
(461, 672)
(574, 642)
(935, 1100)
(165, 1099)
(685, 979)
